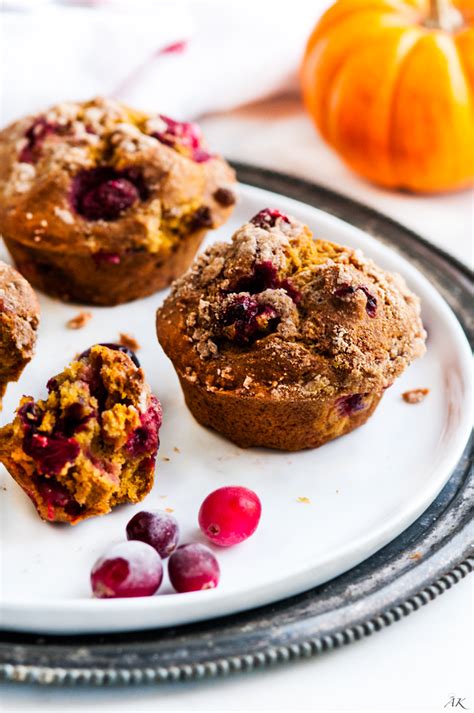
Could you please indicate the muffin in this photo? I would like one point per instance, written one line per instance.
(91, 444)
(19, 319)
(284, 341)
(102, 204)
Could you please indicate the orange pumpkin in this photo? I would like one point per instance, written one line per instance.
(390, 85)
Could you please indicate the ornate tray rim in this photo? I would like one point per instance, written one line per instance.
(422, 563)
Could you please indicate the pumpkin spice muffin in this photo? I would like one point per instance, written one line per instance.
(102, 204)
(19, 319)
(284, 341)
(91, 444)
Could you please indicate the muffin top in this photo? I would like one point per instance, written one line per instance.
(90, 175)
(275, 311)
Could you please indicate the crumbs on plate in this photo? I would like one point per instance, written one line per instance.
(79, 321)
(126, 340)
(303, 499)
(415, 396)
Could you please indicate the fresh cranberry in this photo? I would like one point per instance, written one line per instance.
(244, 319)
(157, 528)
(268, 217)
(371, 304)
(130, 569)
(348, 405)
(51, 453)
(144, 439)
(103, 193)
(183, 134)
(230, 515)
(35, 136)
(115, 347)
(193, 568)
(103, 258)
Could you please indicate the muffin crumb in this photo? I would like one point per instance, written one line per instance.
(415, 396)
(79, 321)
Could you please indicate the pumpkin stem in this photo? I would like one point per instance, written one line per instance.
(443, 16)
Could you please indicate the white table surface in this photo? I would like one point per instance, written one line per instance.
(417, 664)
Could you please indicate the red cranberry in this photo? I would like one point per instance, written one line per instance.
(35, 136)
(348, 405)
(371, 304)
(56, 495)
(103, 193)
(224, 197)
(244, 319)
(157, 528)
(265, 277)
(193, 568)
(230, 515)
(268, 217)
(130, 569)
(115, 347)
(103, 258)
(144, 439)
(50, 452)
(183, 134)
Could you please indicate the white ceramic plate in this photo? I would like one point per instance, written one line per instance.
(363, 489)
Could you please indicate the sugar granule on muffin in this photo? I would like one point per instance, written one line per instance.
(103, 204)
(19, 320)
(284, 341)
(91, 444)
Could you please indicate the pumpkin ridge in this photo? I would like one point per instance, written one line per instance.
(402, 66)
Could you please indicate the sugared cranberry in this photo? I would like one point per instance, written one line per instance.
(230, 515)
(348, 405)
(130, 569)
(116, 347)
(193, 568)
(103, 193)
(371, 304)
(244, 319)
(157, 528)
(144, 439)
(268, 217)
(51, 453)
(182, 134)
(35, 136)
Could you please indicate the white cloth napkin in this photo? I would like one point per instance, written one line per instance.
(225, 53)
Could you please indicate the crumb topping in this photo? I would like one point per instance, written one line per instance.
(276, 310)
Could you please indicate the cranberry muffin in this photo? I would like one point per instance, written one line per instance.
(102, 204)
(91, 444)
(19, 319)
(284, 341)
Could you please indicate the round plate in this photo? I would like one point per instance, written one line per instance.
(324, 511)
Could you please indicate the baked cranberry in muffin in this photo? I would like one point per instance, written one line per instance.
(19, 319)
(284, 341)
(103, 204)
(91, 444)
